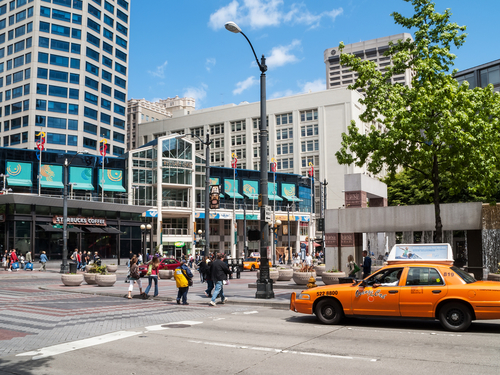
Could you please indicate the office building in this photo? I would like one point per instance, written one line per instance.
(482, 75)
(63, 72)
(142, 110)
(372, 50)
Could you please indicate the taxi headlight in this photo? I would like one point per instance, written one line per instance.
(303, 296)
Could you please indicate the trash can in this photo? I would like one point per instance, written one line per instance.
(72, 267)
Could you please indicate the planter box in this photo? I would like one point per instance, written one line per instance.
(90, 278)
(320, 269)
(112, 268)
(166, 274)
(72, 280)
(285, 274)
(105, 280)
(273, 274)
(302, 278)
(332, 277)
(494, 276)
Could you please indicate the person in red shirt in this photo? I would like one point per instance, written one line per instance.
(13, 258)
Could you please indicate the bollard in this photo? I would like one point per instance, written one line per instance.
(238, 272)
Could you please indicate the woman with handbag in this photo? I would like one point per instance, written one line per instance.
(134, 277)
(352, 267)
(153, 275)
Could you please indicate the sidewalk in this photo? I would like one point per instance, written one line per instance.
(239, 291)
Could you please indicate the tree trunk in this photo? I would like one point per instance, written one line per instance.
(438, 236)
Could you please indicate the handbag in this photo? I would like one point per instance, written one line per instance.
(15, 265)
(189, 279)
(356, 268)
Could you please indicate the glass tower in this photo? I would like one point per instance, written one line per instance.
(63, 72)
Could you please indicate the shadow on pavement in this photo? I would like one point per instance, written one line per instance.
(25, 366)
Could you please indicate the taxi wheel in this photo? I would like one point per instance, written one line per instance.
(455, 317)
(329, 311)
(253, 268)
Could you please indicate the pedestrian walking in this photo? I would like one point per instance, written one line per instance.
(153, 276)
(352, 267)
(74, 257)
(43, 260)
(5, 260)
(139, 259)
(206, 271)
(13, 259)
(97, 259)
(134, 277)
(308, 260)
(183, 279)
(84, 260)
(29, 258)
(220, 270)
(367, 264)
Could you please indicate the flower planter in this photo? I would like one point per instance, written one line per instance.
(285, 274)
(273, 274)
(302, 278)
(320, 268)
(90, 278)
(494, 276)
(105, 280)
(166, 274)
(72, 279)
(331, 277)
(111, 267)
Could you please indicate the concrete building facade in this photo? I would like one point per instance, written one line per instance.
(372, 50)
(481, 75)
(64, 72)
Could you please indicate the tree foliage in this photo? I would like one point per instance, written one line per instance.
(434, 126)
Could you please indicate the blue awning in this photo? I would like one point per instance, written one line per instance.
(109, 187)
(230, 194)
(273, 197)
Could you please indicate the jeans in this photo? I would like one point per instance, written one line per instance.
(210, 287)
(151, 279)
(183, 293)
(219, 290)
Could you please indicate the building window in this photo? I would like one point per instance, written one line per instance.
(284, 119)
(309, 115)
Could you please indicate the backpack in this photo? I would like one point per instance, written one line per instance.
(135, 273)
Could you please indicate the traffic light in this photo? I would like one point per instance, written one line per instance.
(320, 227)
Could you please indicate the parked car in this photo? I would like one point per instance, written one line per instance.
(165, 264)
(429, 290)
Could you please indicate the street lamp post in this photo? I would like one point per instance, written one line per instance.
(64, 264)
(289, 227)
(145, 228)
(322, 208)
(264, 284)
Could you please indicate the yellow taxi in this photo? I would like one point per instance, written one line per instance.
(253, 263)
(412, 285)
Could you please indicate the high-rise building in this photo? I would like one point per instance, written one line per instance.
(63, 71)
(482, 75)
(373, 50)
(142, 110)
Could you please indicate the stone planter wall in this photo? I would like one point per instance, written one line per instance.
(166, 274)
(285, 274)
(302, 278)
(319, 269)
(72, 280)
(105, 280)
(111, 267)
(90, 278)
(332, 277)
(273, 274)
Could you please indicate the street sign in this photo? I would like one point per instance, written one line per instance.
(214, 197)
(269, 214)
(152, 213)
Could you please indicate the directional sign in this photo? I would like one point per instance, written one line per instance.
(152, 213)
(269, 214)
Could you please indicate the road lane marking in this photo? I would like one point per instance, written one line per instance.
(53, 350)
(264, 349)
(245, 312)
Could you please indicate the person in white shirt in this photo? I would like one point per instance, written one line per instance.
(309, 260)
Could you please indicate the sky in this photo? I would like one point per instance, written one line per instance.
(182, 48)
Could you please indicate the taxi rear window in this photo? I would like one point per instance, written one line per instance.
(464, 275)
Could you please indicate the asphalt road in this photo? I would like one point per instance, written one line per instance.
(53, 332)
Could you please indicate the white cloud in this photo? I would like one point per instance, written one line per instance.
(304, 87)
(160, 71)
(198, 93)
(243, 85)
(262, 13)
(209, 63)
(281, 55)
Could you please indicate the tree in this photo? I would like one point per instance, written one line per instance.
(433, 126)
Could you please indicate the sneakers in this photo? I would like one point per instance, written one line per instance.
(224, 301)
(212, 303)
(178, 301)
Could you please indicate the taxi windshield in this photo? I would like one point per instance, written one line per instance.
(464, 275)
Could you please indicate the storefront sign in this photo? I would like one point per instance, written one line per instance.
(179, 244)
(331, 239)
(79, 220)
(177, 164)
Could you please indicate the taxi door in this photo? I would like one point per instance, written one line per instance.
(383, 300)
(423, 289)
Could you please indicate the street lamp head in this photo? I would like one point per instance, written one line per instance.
(148, 226)
(233, 27)
(200, 232)
(278, 222)
(143, 227)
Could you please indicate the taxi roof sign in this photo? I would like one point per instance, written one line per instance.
(422, 253)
